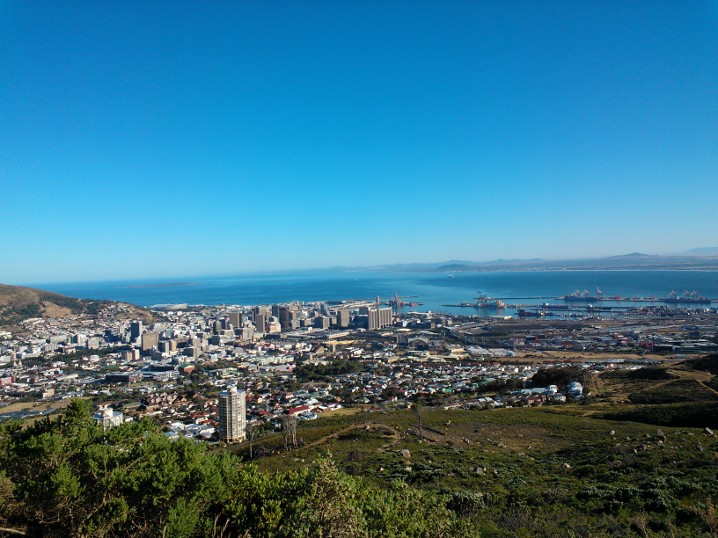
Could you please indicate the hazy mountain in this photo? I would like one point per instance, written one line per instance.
(633, 260)
(703, 251)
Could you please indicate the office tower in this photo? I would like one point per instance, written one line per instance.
(343, 318)
(131, 355)
(321, 322)
(232, 415)
(260, 322)
(379, 317)
(285, 314)
(245, 333)
(273, 327)
(150, 341)
(235, 318)
(135, 330)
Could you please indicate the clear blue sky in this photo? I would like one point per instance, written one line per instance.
(151, 139)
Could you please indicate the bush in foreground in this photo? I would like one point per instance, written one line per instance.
(67, 477)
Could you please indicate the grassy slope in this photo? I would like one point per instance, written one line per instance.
(559, 465)
(600, 469)
(19, 303)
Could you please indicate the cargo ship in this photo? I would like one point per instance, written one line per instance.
(688, 297)
(483, 301)
(584, 297)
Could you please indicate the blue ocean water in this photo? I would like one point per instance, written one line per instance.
(433, 290)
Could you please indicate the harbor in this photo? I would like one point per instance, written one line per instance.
(483, 301)
(581, 304)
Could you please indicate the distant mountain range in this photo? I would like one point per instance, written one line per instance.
(703, 251)
(696, 259)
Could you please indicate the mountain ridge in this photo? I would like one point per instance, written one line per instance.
(631, 261)
(20, 303)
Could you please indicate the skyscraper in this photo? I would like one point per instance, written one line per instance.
(343, 318)
(232, 415)
(379, 318)
(135, 330)
(235, 318)
(260, 323)
(287, 314)
(149, 341)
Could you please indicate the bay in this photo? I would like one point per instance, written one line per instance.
(433, 290)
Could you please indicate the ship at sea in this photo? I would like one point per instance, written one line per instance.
(688, 297)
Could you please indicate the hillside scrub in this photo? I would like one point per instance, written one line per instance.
(68, 477)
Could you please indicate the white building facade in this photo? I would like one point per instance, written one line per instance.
(232, 415)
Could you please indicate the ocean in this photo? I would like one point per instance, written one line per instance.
(433, 290)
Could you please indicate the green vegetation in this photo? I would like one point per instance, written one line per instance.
(67, 477)
(704, 364)
(13, 314)
(562, 376)
(18, 304)
(680, 390)
(325, 373)
(77, 306)
(693, 414)
(606, 468)
(521, 472)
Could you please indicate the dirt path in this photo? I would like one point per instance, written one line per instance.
(395, 435)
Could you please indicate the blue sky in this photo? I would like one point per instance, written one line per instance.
(151, 139)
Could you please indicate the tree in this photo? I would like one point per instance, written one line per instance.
(418, 409)
(251, 431)
(289, 431)
(67, 477)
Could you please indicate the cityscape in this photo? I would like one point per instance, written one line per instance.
(359, 269)
(206, 372)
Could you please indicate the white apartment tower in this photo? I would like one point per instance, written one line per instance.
(379, 318)
(232, 415)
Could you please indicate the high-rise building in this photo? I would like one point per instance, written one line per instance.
(260, 322)
(343, 318)
(321, 322)
(287, 314)
(245, 333)
(131, 355)
(379, 317)
(135, 330)
(150, 341)
(232, 415)
(235, 318)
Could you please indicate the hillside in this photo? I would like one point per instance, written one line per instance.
(67, 477)
(565, 470)
(18, 303)
(637, 460)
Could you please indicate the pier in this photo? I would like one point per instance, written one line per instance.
(614, 299)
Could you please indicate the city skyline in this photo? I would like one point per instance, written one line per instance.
(149, 142)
